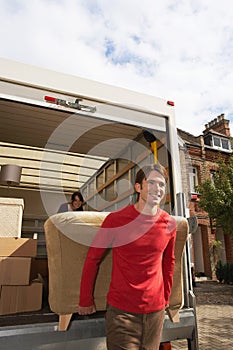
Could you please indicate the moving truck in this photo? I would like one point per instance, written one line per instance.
(67, 133)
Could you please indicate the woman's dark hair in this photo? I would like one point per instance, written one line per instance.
(79, 194)
(144, 172)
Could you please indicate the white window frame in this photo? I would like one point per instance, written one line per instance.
(193, 178)
(221, 140)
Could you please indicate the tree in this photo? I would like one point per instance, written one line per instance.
(217, 196)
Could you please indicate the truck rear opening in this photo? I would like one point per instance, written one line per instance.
(70, 134)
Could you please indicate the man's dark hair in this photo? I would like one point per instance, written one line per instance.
(79, 194)
(144, 172)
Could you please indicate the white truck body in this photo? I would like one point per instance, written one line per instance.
(52, 136)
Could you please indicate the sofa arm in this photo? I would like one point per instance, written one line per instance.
(66, 256)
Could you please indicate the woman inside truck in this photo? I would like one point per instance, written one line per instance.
(75, 204)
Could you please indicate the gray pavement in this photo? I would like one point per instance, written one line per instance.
(214, 318)
(215, 328)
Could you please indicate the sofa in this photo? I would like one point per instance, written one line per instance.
(68, 236)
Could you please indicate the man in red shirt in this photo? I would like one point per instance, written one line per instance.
(142, 238)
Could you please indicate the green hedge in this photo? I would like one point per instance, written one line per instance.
(224, 272)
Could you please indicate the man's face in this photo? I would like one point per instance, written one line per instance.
(152, 189)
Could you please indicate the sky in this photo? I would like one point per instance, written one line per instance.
(179, 50)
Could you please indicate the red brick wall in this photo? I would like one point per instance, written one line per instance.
(229, 247)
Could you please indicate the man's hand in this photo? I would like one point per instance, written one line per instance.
(86, 310)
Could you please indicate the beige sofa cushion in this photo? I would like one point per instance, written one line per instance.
(68, 236)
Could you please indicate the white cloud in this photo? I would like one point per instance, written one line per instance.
(179, 50)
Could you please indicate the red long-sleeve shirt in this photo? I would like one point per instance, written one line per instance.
(143, 260)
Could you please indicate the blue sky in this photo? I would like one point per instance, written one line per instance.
(179, 50)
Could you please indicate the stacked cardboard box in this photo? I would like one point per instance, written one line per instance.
(11, 213)
(17, 292)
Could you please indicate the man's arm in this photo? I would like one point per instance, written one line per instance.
(89, 273)
(100, 244)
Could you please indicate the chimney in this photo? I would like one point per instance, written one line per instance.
(219, 124)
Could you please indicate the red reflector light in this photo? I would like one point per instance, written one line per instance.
(165, 346)
(170, 103)
(50, 99)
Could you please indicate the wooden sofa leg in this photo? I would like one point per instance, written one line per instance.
(64, 321)
(173, 315)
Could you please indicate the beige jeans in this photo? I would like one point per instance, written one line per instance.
(130, 331)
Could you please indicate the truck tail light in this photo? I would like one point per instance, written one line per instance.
(171, 103)
(50, 99)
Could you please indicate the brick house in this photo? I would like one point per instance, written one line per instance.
(198, 155)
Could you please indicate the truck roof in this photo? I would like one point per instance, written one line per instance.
(41, 78)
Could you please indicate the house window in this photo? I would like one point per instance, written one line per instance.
(217, 142)
(212, 173)
(220, 142)
(225, 144)
(193, 179)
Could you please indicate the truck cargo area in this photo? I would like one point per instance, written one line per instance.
(70, 134)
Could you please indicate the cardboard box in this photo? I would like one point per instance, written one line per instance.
(11, 213)
(19, 247)
(15, 271)
(15, 299)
